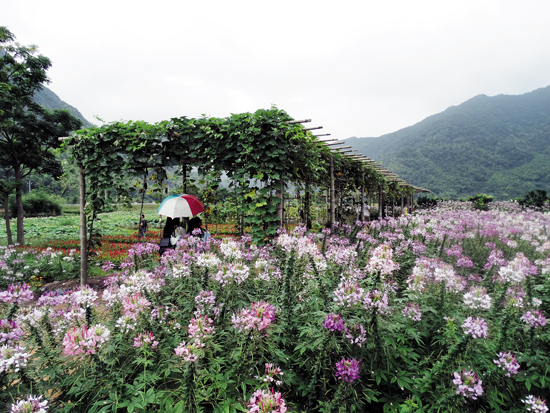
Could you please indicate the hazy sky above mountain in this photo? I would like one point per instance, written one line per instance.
(358, 68)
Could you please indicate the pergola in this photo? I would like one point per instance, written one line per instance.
(262, 152)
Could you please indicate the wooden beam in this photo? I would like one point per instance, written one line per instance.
(315, 127)
(340, 147)
(322, 134)
(292, 122)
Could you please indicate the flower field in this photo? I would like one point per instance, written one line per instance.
(442, 311)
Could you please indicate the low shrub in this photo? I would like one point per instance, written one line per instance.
(37, 203)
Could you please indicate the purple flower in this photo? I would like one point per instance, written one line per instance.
(356, 334)
(334, 322)
(508, 362)
(534, 318)
(347, 369)
(260, 315)
(107, 266)
(469, 384)
(378, 300)
(17, 293)
(349, 294)
(413, 311)
(475, 327)
(465, 262)
(10, 331)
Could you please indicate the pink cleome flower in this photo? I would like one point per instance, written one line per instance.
(334, 322)
(84, 340)
(469, 384)
(534, 318)
(145, 339)
(266, 402)
(508, 362)
(348, 370)
(260, 315)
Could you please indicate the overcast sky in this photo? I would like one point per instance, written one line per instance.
(358, 68)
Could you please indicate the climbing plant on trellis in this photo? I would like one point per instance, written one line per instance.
(259, 151)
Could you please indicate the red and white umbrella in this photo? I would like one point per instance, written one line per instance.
(180, 206)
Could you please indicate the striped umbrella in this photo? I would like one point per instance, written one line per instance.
(180, 206)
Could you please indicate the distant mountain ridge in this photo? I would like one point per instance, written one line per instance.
(497, 145)
(48, 99)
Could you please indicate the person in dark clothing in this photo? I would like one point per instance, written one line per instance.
(143, 226)
(168, 228)
(195, 223)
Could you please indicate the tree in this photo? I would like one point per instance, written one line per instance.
(28, 132)
(6, 188)
(534, 199)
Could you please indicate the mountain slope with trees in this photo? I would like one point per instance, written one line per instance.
(48, 99)
(496, 145)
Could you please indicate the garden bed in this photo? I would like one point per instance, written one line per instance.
(441, 311)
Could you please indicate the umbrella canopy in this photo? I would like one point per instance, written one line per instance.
(180, 206)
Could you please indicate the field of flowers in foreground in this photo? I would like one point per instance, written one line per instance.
(441, 311)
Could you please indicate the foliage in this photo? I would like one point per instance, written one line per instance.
(46, 98)
(495, 145)
(481, 201)
(425, 202)
(260, 152)
(28, 132)
(37, 203)
(535, 199)
(440, 311)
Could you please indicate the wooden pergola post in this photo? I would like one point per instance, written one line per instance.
(280, 205)
(83, 231)
(380, 203)
(332, 197)
(184, 178)
(362, 216)
(307, 206)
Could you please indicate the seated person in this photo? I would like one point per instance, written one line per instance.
(195, 223)
(178, 231)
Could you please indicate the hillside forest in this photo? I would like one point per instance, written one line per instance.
(496, 145)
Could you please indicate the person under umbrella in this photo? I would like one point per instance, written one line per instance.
(196, 223)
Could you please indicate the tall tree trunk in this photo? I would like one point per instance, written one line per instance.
(7, 217)
(19, 203)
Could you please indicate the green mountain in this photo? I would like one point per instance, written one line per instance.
(48, 99)
(496, 145)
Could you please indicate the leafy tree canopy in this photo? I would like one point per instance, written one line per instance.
(28, 132)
